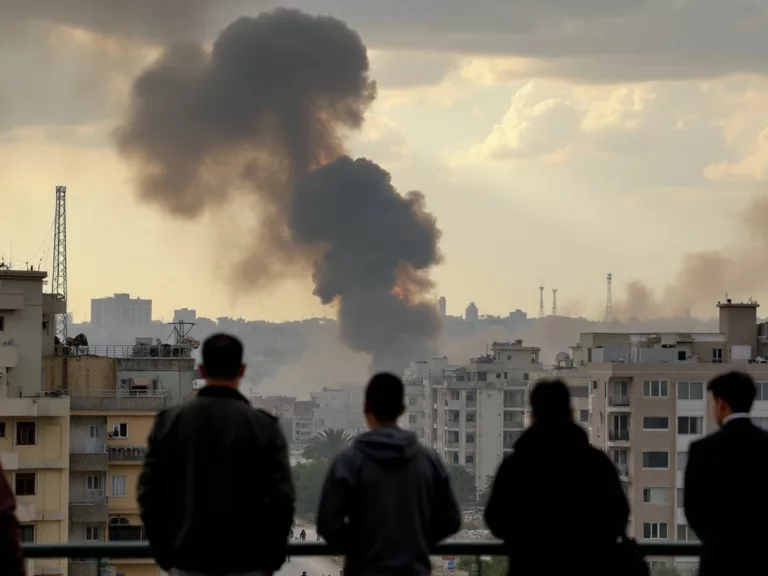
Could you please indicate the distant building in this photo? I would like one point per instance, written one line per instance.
(441, 306)
(472, 414)
(339, 409)
(185, 315)
(121, 311)
(471, 314)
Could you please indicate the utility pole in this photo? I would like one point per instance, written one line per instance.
(541, 300)
(609, 299)
(554, 301)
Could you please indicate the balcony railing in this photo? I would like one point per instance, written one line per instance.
(618, 435)
(618, 401)
(126, 453)
(124, 550)
(90, 449)
(127, 351)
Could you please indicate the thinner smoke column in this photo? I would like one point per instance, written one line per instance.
(262, 117)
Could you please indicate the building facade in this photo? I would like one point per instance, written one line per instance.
(34, 426)
(472, 414)
(113, 401)
(121, 311)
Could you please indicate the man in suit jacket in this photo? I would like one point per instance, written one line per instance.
(726, 484)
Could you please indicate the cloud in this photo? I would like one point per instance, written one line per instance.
(383, 140)
(751, 168)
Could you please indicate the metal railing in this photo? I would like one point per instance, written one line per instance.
(126, 453)
(92, 449)
(169, 351)
(136, 393)
(618, 435)
(618, 401)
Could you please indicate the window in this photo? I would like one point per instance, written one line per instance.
(2, 429)
(717, 355)
(690, 425)
(685, 534)
(595, 384)
(26, 433)
(455, 458)
(470, 459)
(505, 375)
(471, 398)
(94, 431)
(92, 533)
(482, 376)
(579, 391)
(655, 423)
(680, 497)
(25, 483)
(498, 376)
(509, 356)
(27, 534)
(412, 401)
(455, 395)
(655, 495)
(681, 355)
(117, 486)
(525, 377)
(655, 388)
(655, 530)
(94, 482)
(469, 438)
(412, 419)
(119, 430)
(682, 461)
(583, 416)
(471, 417)
(690, 390)
(2, 323)
(652, 459)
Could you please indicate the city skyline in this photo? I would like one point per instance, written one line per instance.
(563, 168)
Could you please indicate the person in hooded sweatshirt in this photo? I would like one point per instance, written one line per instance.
(556, 501)
(387, 499)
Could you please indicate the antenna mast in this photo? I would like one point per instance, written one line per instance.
(608, 299)
(541, 300)
(60, 261)
(554, 301)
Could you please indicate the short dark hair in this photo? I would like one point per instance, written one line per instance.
(384, 397)
(736, 389)
(222, 356)
(551, 401)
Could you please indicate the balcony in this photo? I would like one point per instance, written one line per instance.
(623, 470)
(618, 401)
(9, 355)
(620, 435)
(131, 351)
(126, 453)
(126, 533)
(122, 400)
(38, 407)
(90, 567)
(90, 507)
(91, 458)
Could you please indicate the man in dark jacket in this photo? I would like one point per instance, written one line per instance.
(725, 498)
(387, 499)
(11, 559)
(557, 502)
(215, 494)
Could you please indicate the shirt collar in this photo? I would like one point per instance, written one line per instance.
(735, 416)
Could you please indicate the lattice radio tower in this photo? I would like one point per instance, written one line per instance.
(554, 301)
(608, 299)
(60, 260)
(541, 301)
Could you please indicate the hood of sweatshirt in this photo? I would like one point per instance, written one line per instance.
(390, 446)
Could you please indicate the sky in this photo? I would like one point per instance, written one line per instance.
(554, 141)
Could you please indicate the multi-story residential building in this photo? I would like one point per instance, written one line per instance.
(472, 413)
(121, 311)
(649, 402)
(115, 393)
(296, 417)
(339, 409)
(34, 426)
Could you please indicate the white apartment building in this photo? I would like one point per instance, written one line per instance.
(121, 311)
(471, 414)
(649, 402)
(339, 409)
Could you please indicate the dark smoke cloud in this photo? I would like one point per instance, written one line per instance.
(263, 117)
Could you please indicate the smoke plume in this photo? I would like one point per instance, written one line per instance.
(262, 118)
(706, 276)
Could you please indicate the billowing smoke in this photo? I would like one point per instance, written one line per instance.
(262, 118)
(706, 276)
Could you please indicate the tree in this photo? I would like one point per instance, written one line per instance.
(326, 445)
(463, 484)
(308, 478)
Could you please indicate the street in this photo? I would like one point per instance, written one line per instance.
(313, 566)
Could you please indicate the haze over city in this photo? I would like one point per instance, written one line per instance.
(555, 154)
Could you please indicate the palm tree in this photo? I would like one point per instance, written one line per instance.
(326, 445)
